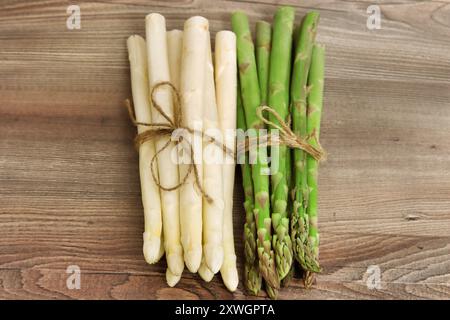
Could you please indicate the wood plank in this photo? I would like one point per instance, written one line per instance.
(69, 185)
(51, 284)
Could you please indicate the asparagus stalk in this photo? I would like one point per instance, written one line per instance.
(137, 54)
(191, 89)
(212, 173)
(174, 48)
(263, 48)
(225, 76)
(158, 66)
(299, 219)
(263, 44)
(278, 99)
(315, 103)
(251, 272)
(251, 100)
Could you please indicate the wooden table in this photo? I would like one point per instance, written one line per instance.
(69, 184)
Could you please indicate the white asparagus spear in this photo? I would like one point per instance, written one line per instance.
(212, 173)
(158, 66)
(175, 44)
(137, 54)
(174, 48)
(225, 74)
(191, 89)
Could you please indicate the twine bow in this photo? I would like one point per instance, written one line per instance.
(158, 130)
(287, 137)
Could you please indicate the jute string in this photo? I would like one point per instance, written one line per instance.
(157, 130)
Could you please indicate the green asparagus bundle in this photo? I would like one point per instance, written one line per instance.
(299, 219)
(251, 272)
(251, 101)
(295, 93)
(278, 99)
(315, 103)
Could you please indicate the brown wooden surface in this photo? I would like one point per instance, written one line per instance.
(69, 185)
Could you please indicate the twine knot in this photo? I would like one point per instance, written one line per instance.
(158, 130)
(288, 138)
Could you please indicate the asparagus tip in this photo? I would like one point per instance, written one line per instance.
(171, 278)
(253, 278)
(230, 277)
(309, 278)
(193, 258)
(205, 273)
(175, 263)
(283, 256)
(267, 268)
(213, 257)
(271, 292)
(152, 249)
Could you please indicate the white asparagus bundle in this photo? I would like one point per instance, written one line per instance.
(202, 229)
(158, 66)
(226, 84)
(191, 89)
(137, 54)
(174, 48)
(212, 173)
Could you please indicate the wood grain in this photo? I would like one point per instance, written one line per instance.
(69, 185)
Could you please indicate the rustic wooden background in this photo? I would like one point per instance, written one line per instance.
(69, 185)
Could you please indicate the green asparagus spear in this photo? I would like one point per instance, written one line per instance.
(263, 44)
(299, 219)
(252, 276)
(251, 101)
(315, 103)
(278, 99)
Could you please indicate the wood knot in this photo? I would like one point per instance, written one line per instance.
(411, 217)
